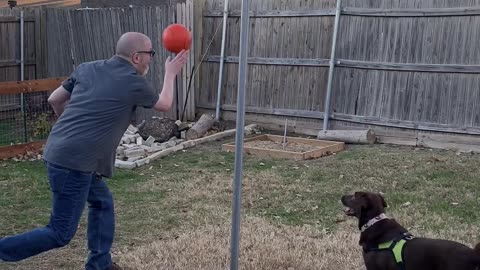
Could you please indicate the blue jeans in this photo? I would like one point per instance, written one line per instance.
(71, 190)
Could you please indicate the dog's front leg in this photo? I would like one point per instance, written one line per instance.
(378, 261)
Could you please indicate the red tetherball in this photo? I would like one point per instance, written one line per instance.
(176, 38)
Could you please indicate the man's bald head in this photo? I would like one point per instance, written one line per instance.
(132, 42)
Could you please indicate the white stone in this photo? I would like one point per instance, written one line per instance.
(120, 150)
(188, 144)
(183, 134)
(139, 141)
(132, 129)
(125, 164)
(129, 132)
(179, 141)
(142, 162)
(129, 146)
(169, 144)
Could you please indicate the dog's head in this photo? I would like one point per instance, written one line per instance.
(364, 205)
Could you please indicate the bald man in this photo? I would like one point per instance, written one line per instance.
(95, 105)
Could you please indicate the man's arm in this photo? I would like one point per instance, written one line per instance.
(59, 99)
(172, 68)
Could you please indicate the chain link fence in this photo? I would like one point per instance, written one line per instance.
(25, 118)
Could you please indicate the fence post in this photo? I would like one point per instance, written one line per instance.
(222, 60)
(326, 113)
(237, 181)
(22, 72)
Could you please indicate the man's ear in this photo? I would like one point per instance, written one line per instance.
(135, 58)
(383, 201)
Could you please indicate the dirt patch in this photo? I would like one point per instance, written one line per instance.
(289, 146)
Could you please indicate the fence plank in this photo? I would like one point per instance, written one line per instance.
(412, 12)
(4, 19)
(21, 149)
(439, 68)
(274, 13)
(15, 63)
(30, 86)
(190, 112)
(355, 119)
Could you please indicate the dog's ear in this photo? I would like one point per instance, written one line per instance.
(362, 198)
(384, 203)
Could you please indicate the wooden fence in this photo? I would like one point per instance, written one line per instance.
(78, 35)
(11, 54)
(410, 65)
(406, 64)
(56, 40)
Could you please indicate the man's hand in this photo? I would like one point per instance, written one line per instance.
(173, 67)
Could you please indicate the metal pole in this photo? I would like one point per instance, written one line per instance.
(22, 72)
(237, 184)
(222, 59)
(332, 67)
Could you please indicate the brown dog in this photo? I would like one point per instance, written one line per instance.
(388, 246)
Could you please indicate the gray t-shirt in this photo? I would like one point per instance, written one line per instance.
(104, 97)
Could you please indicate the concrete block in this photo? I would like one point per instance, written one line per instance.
(147, 148)
(130, 138)
(150, 141)
(133, 159)
(158, 147)
(134, 152)
(139, 141)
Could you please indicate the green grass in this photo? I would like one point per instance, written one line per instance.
(427, 191)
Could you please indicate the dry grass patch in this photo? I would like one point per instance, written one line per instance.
(264, 245)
